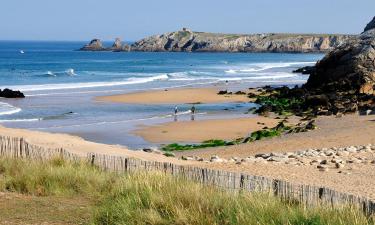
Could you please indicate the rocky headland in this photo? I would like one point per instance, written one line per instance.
(186, 40)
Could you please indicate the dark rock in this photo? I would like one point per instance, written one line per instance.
(252, 95)
(240, 93)
(7, 93)
(305, 70)
(315, 101)
(348, 68)
(223, 92)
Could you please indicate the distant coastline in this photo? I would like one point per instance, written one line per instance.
(186, 40)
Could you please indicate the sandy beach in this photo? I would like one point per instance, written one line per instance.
(331, 132)
(80, 146)
(175, 96)
(198, 131)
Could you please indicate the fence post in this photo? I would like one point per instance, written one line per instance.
(275, 187)
(242, 181)
(92, 160)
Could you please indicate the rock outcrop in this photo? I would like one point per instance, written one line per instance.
(370, 25)
(117, 45)
(7, 93)
(188, 41)
(350, 67)
(344, 80)
(94, 45)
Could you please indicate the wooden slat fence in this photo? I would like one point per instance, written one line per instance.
(305, 194)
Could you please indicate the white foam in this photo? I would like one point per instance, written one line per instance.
(70, 72)
(7, 109)
(44, 87)
(50, 73)
(20, 120)
(257, 67)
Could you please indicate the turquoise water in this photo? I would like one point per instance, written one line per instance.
(60, 86)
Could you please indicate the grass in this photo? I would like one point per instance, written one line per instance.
(86, 195)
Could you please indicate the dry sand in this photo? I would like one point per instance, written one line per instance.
(80, 146)
(331, 132)
(175, 96)
(360, 181)
(198, 131)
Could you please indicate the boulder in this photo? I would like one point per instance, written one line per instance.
(7, 93)
(94, 45)
(370, 25)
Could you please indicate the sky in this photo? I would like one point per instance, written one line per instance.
(134, 19)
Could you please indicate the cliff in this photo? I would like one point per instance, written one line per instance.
(189, 41)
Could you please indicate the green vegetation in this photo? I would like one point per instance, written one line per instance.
(140, 198)
(254, 136)
(182, 34)
(277, 104)
(205, 144)
(267, 133)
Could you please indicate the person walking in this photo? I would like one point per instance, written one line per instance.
(175, 113)
(193, 112)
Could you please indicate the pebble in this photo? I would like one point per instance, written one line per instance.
(339, 165)
(321, 158)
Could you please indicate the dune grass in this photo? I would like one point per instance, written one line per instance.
(156, 198)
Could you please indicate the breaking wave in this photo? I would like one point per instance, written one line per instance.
(257, 67)
(7, 109)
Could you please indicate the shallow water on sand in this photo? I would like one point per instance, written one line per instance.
(61, 85)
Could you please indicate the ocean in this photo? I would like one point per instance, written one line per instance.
(61, 84)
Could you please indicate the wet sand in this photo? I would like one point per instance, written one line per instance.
(198, 131)
(175, 96)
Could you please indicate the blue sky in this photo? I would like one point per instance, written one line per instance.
(134, 19)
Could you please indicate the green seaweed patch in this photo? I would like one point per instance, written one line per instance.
(267, 133)
(279, 105)
(205, 144)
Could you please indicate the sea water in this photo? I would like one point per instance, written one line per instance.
(61, 85)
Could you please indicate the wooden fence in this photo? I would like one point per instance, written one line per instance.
(305, 194)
